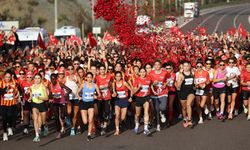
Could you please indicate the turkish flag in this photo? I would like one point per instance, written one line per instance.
(40, 42)
(108, 37)
(75, 40)
(242, 30)
(53, 40)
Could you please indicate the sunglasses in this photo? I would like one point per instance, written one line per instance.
(230, 62)
(29, 77)
(21, 73)
(18, 66)
(168, 68)
(51, 68)
(222, 64)
(208, 63)
(110, 68)
(76, 64)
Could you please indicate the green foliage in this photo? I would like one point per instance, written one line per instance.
(41, 21)
(33, 2)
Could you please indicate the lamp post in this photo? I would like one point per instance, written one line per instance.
(56, 21)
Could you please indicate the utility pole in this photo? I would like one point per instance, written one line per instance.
(153, 10)
(136, 8)
(56, 21)
(93, 13)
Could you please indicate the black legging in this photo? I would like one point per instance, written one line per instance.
(59, 112)
(9, 116)
(103, 109)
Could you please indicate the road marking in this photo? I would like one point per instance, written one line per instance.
(249, 19)
(237, 16)
(219, 21)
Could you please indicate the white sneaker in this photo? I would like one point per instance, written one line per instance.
(5, 137)
(245, 109)
(158, 128)
(248, 118)
(180, 116)
(206, 111)
(236, 112)
(210, 117)
(163, 118)
(200, 121)
(10, 132)
(26, 131)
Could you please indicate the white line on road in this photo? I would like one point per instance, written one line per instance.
(237, 16)
(219, 21)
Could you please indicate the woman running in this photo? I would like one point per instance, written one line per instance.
(185, 83)
(160, 92)
(120, 92)
(219, 89)
(141, 88)
(245, 83)
(38, 96)
(72, 81)
(9, 97)
(25, 86)
(86, 93)
(201, 80)
(172, 91)
(57, 94)
(103, 81)
(233, 75)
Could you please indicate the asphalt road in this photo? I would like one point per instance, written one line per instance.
(222, 19)
(212, 135)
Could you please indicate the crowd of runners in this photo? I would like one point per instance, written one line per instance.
(80, 88)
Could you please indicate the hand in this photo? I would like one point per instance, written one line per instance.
(114, 94)
(130, 100)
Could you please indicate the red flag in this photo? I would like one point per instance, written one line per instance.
(231, 31)
(75, 40)
(40, 42)
(53, 40)
(242, 30)
(108, 37)
(92, 40)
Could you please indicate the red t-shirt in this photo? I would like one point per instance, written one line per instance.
(245, 77)
(122, 91)
(162, 79)
(145, 86)
(171, 80)
(201, 78)
(25, 86)
(104, 86)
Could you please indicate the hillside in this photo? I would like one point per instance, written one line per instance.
(41, 13)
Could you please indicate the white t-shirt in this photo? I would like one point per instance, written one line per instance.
(231, 72)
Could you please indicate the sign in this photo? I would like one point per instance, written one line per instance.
(96, 30)
(6, 25)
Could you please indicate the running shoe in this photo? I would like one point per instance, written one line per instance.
(200, 120)
(236, 112)
(25, 131)
(5, 137)
(46, 131)
(158, 128)
(221, 117)
(210, 117)
(36, 139)
(189, 123)
(163, 118)
(206, 111)
(218, 114)
(89, 138)
(245, 109)
(72, 132)
(248, 118)
(136, 130)
(185, 124)
(59, 135)
(147, 132)
(78, 131)
(103, 132)
(10, 132)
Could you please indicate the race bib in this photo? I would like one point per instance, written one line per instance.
(26, 89)
(144, 88)
(189, 81)
(35, 95)
(199, 92)
(121, 94)
(8, 97)
(89, 95)
(170, 82)
(57, 95)
(104, 92)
